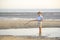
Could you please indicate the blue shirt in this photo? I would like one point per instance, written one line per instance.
(39, 17)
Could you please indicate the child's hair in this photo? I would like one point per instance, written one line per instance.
(39, 13)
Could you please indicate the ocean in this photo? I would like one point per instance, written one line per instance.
(46, 15)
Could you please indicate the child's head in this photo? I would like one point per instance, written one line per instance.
(39, 13)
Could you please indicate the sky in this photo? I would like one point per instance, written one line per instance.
(29, 4)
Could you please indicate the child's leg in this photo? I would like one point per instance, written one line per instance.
(38, 25)
(40, 29)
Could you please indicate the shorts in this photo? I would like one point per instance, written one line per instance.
(38, 23)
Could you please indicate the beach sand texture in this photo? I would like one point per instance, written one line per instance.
(22, 24)
(25, 38)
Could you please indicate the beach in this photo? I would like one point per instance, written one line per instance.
(20, 23)
(11, 22)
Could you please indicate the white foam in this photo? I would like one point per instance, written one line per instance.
(51, 32)
(20, 32)
(48, 32)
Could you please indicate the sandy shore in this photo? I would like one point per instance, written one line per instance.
(22, 24)
(25, 38)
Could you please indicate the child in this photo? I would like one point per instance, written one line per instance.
(39, 21)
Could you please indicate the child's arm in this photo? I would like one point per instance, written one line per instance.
(30, 21)
(34, 20)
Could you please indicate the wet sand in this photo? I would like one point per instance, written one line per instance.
(25, 38)
(22, 24)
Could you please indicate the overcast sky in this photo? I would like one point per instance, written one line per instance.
(29, 4)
